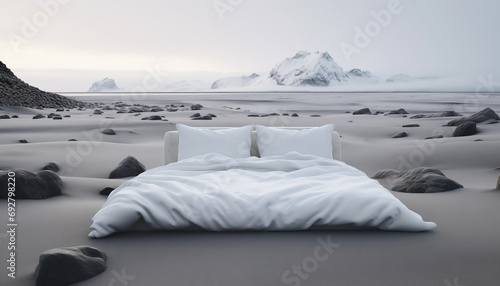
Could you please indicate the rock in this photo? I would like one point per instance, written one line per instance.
(411, 125)
(51, 167)
(498, 183)
(23, 141)
(35, 186)
(482, 116)
(157, 109)
(106, 191)
(434, 137)
(97, 112)
(270, 114)
(294, 115)
(465, 129)
(108, 131)
(69, 265)
(315, 115)
(419, 180)
(59, 109)
(38, 116)
(15, 116)
(253, 115)
(57, 117)
(362, 111)
(4, 116)
(155, 117)
(400, 135)
(211, 115)
(128, 167)
(72, 139)
(52, 115)
(196, 106)
(195, 115)
(399, 111)
(206, 117)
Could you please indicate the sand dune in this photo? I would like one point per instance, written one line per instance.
(463, 248)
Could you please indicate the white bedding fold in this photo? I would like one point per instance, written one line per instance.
(285, 192)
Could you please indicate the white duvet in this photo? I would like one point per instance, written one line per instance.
(285, 192)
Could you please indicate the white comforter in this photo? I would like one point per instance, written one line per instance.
(286, 192)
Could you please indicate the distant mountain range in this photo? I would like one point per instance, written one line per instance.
(303, 69)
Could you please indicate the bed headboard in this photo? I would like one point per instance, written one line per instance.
(171, 144)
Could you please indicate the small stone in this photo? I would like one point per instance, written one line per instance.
(362, 111)
(196, 106)
(128, 167)
(400, 135)
(411, 125)
(294, 115)
(38, 116)
(23, 141)
(434, 137)
(253, 115)
(106, 191)
(5, 116)
(108, 131)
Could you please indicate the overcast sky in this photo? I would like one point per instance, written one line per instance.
(50, 39)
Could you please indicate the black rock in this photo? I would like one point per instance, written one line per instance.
(38, 116)
(195, 115)
(157, 109)
(154, 117)
(362, 111)
(205, 117)
(253, 115)
(4, 116)
(59, 109)
(52, 115)
(270, 114)
(211, 115)
(419, 180)
(411, 125)
(399, 111)
(315, 115)
(106, 191)
(97, 112)
(108, 131)
(35, 186)
(23, 141)
(72, 139)
(196, 106)
(69, 265)
(294, 115)
(400, 135)
(434, 137)
(15, 116)
(465, 129)
(128, 167)
(482, 116)
(67, 116)
(57, 117)
(51, 167)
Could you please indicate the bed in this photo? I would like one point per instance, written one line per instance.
(253, 178)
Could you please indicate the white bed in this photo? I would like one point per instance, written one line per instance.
(289, 191)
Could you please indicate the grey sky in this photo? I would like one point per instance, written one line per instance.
(420, 37)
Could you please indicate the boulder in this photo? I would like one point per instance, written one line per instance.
(205, 117)
(34, 186)
(465, 129)
(128, 167)
(38, 116)
(418, 180)
(480, 117)
(362, 111)
(399, 111)
(23, 141)
(108, 131)
(4, 116)
(196, 106)
(69, 265)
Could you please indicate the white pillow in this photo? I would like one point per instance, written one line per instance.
(232, 142)
(315, 141)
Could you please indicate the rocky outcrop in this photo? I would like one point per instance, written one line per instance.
(15, 92)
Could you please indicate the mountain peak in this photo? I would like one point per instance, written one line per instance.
(107, 84)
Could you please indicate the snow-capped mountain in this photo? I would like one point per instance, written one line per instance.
(317, 69)
(107, 84)
(400, 77)
(235, 81)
